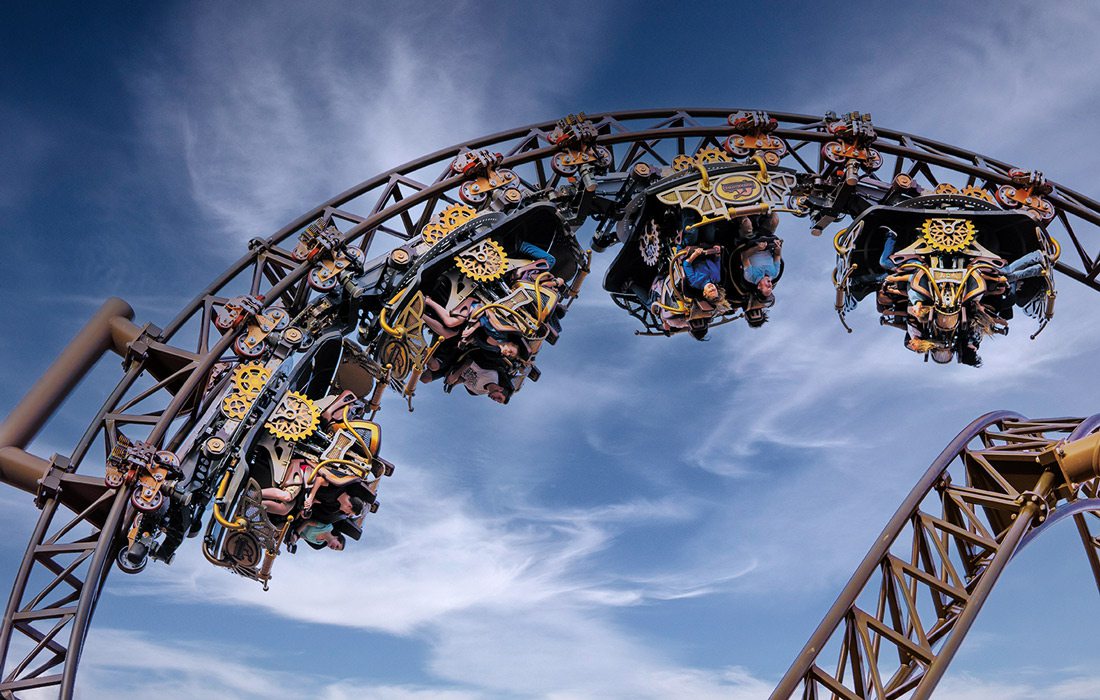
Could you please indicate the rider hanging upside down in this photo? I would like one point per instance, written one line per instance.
(761, 265)
(451, 322)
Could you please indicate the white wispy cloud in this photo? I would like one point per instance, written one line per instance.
(123, 664)
(273, 120)
(481, 589)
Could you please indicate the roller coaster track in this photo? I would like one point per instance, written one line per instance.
(904, 613)
(68, 557)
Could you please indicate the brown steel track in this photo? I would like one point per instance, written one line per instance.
(900, 620)
(164, 370)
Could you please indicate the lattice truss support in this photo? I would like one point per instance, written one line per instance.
(166, 370)
(901, 618)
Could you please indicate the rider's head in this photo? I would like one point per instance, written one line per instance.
(346, 503)
(497, 393)
(765, 285)
(710, 291)
(509, 349)
(357, 505)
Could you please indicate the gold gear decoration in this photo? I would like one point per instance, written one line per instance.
(446, 221)
(948, 235)
(248, 379)
(485, 262)
(978, 193)
(706, 155)
(295, 417)
(236, 406)
(712, 155)
(650, 244)
(946, 188)
(682, 162)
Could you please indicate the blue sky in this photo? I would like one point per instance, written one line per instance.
(656, 517)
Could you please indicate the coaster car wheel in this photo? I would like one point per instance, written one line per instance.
(355, 255)
(731, 146)
(243, 350)
(833, 151)
(281, 318)
(468, 195)
(315, 281)
(132, 559)
(151, 505)
(736, 145)
(604, 159)
(1007, 196)
(168, 459)
(837, 153)
(559, 165)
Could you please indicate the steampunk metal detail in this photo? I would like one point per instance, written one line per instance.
(650, 245)
(483, 263)
(446, 221)
(247, 381)
(295, 417)
(948, 235)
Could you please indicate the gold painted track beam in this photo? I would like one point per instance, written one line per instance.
(1079, 460)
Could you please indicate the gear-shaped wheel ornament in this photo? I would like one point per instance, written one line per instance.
(948, 235)
(296, 417)
(650, 244)
(248, 380)
(446, 221)
(484, 262)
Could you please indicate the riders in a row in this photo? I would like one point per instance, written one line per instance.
(713, 270)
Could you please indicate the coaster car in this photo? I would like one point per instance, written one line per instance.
(942, 267)
(703, 203)
(484, 286)
(265, 500)
(262, 425)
